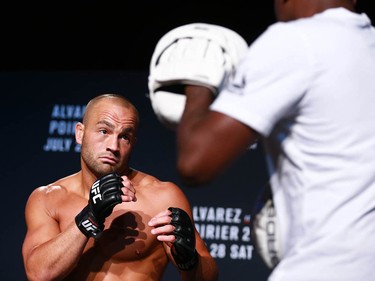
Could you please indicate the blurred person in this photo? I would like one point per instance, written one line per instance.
(305, 89)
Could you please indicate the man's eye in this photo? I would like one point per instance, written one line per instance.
(127, 139)
(103, 131)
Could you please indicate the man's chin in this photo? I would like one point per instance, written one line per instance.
(107, 169)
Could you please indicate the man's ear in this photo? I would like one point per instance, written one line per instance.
(79, 132)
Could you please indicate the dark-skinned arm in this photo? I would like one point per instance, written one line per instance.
(208, 142)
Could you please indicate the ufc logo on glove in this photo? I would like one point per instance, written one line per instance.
(95, 189)
(89, 226)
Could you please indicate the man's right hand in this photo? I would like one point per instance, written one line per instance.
(105, 194)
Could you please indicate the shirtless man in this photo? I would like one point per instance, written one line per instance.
(109, 221)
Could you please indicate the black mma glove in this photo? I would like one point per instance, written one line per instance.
(105, 194)
(183, 249)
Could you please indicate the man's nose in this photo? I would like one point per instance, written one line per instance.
(113, 143)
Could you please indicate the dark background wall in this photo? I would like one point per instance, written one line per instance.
(114, 34)
(60, 56)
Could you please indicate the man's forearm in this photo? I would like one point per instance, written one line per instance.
(54, 259)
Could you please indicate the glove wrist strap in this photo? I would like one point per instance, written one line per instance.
(88, 224)
(189, 265)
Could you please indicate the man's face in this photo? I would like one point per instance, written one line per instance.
(108, 137)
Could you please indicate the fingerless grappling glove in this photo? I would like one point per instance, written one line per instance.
(105, 194)
(183, 249)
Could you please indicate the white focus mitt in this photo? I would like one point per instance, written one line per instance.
(196, 54)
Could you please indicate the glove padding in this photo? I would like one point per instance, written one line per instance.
(196, 54)
(264, 229)
(183, 249)
(105, 194)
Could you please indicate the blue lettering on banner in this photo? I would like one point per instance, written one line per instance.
(61, 130)
(58, 144)
(61, 111)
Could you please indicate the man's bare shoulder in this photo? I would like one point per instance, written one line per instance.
(57, 189)
(143, 180)
(152, 187)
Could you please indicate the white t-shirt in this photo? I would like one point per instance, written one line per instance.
(308, 87)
